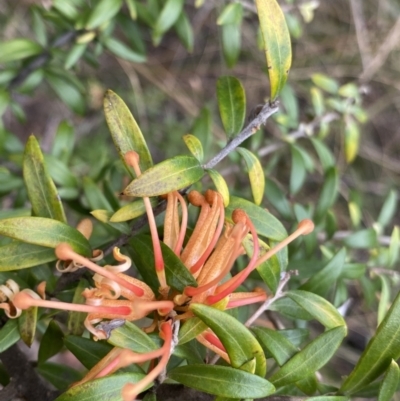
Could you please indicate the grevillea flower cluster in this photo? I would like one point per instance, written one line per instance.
(209, 255)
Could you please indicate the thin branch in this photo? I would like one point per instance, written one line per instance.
(390, 42)
(278, 294)
(25, 381)
(361, 32)
(268, 110)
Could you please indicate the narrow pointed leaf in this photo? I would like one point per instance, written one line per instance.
(266, 224)
(195, 146)
(17, 49)
(321, 282)
(276, 343)
(129, 336)
(44, 232)
(9, 334)
(41, 190)
(60, 376)
(103, 11)
(270, 270)
(124, 130)
(107, 388)
(220, 184)
(27, 325)
(177, 274)
(276, 43)
(315, 355)
(75, 323)
(221, 380)
(232, 104)
(167, 176)
(168, 16)
(318, 307)
(328, 194)
(239, 342)
(88, 352)
(19, 255)
(256, 174)
(381, 349)
(390, 382)
(291, 309)
(51, 343)
(131, 210)
(195, 326)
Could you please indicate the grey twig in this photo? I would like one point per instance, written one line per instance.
(278, 294)
(262, 117)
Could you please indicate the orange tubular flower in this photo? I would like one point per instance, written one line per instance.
(209, 255)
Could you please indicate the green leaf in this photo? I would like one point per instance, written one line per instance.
(120, 49)
(317, 100)
(195, 326)
(256, 174)
(328, 194)
(63, 144)
(167, 176)
(184, 31)
(44, 232)
(195, 147)
(75, 319)
(318, 307)
(276, 43)
(388, 209)
(60, 376)
(390, 382)
(176, 272)
(278, 199)
(17, 49)
(276, 343)
(19, 255)
(381, 349)
(231, 43)
(315, 355)
(132, 8)
(231, 14)
(103, 11)
(67, 91)
(94, 196)
(131, 210)
(232, 104)
(351, 140)
(321, 282)
(326, 83)
(51, 343)
(107, 388)
(41, 190)
(27, 325)
(221, 380)
(124, 130)
(60, 172)
(74, 55)
(265, 223)
(87, 351)
(220, 184)
(9, 334)
(289, 308)
(129, 336)
(366, 238)
(298, 171)
(384, 298)
(168, 16)
(270, 270)
(239, 342)
(394, 246)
